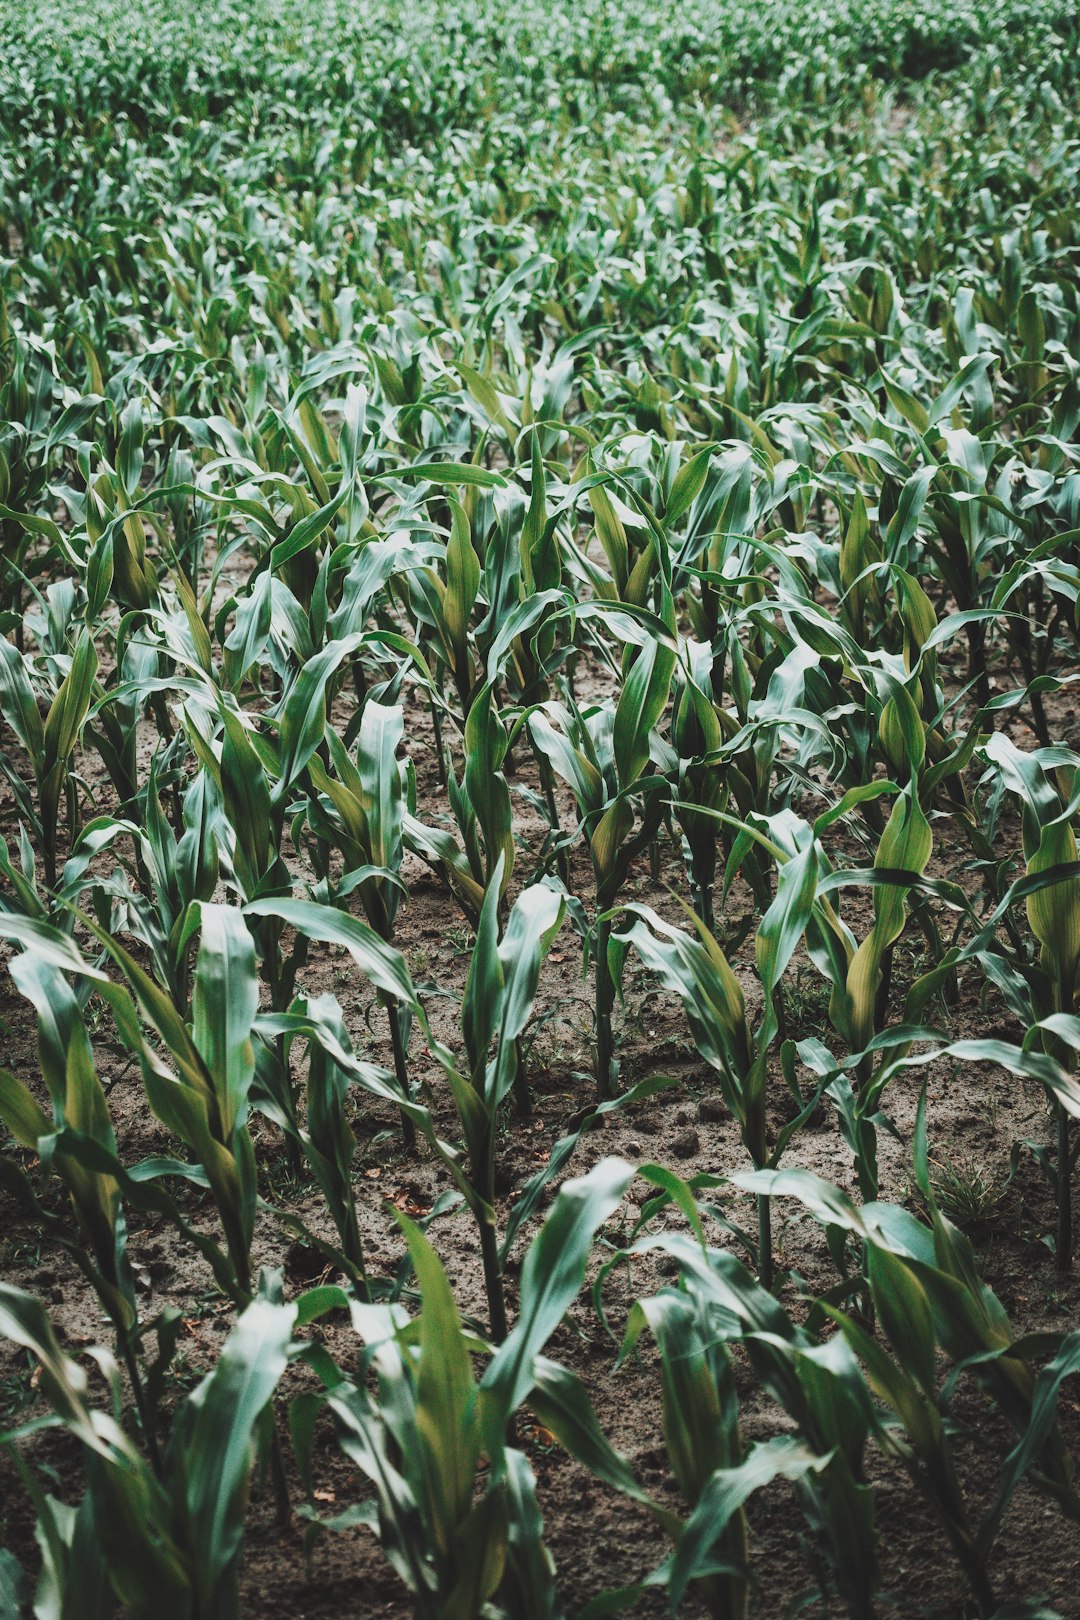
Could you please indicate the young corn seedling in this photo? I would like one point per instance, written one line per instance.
(719, 1305)
(465, 1539)
(165, 1545)
(156, 894)
(701, 1429)
(605, 756)
(499, 994)
(481, 807)
(256, 780)
(20, 875)
(117, 561)
(518, 654)
(444, 607)
(112, 725)
(204, 1098)
(49, 746)
(968, 505)
(929, 1298)
(1045, 783)
(367, 799)
(327, 1138)
(860, 972)
(696, 969)
(32, 432)
(380, 964)
(697, 735)
(79, 1109)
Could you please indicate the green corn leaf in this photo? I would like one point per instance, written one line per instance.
(449, 474)
(224, 1005)
(377, 960)
(552, 1275)
(18, 704)
(462, 581)
(226, 1407)
(445, 1396)
(612, 536)
(724, 1495)
(641, 703)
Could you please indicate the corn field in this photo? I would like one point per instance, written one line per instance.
(539, 787)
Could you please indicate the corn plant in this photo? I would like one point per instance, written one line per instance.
(1044, 783)
(817, 1385)
(604, 756)
(381, 964)
(499, 994)
(156, 1543)
(480, 804)
(928, 1297)
(203, 1098)
(716, 1306)
(367, 798)
(49, 745)
(697, 734)
(80, 1108)
(36, 426)
(326, 1136)
(696, 969)
(155, 892)
(716, 1471)
(462, 1537)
